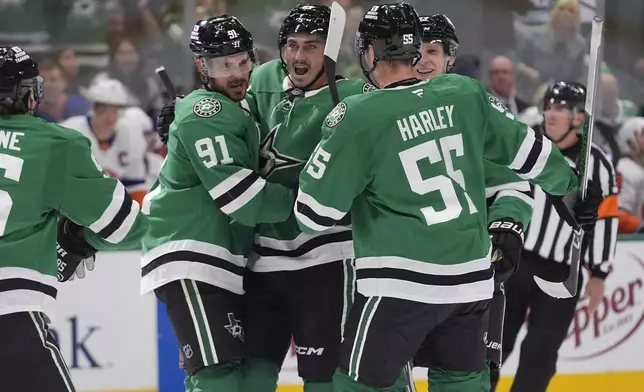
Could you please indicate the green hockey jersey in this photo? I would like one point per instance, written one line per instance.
(47, 170)
(408, 162)
(208, 197)
(291, 122)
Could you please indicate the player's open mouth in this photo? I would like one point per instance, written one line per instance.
(300, 69)
(425, 72)
(236, 85)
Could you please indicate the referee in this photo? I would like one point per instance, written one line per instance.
(547, 246)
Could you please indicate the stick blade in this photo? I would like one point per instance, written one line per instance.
(336, 31)
(554, 289)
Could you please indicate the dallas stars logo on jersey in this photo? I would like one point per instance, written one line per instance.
(336, 115)
(207, 107)
(271, 159)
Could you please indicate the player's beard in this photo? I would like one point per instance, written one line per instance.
(235, 88)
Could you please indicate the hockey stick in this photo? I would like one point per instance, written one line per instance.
(568, 288)
(332, 48)
(165, 78)
(409, 376)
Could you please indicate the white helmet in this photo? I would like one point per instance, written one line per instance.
(627, 132)
(107, 91)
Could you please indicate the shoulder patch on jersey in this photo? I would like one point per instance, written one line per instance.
(336, 115)
(368, 87)
(207, 107)
(498, 105)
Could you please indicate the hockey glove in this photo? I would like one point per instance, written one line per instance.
(74, 253)
(165, 118)
(507, 241)
(577, 212)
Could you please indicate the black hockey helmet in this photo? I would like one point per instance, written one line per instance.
(569, 94)
(439, 28)
(305, 18)
(393, 30)
(218, 37)
(19, 77)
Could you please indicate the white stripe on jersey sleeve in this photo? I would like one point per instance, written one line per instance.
(119, 234)
(245, 197)
(524, 150)
(118, 197)
(307, 221)
(521, 186)
(520, 195)
(229, 183)
(319, 209)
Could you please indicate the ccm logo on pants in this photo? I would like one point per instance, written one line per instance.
(299, 350)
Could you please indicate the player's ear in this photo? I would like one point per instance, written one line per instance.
(579, 119)
(370, 56)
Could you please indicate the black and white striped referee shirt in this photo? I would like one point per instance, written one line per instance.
(550, 237)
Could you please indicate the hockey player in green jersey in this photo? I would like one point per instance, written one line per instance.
(204, 206)
(299, 285)
(407, 160)
(509, 198)
(47, 171)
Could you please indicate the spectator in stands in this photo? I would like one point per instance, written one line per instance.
(611, 114)
(630, 172)
(127, 66)
(613, 110)
(66, 60)
(556, 51)
(502, 84)
(118, 144)
(58, 105)
(468, 65)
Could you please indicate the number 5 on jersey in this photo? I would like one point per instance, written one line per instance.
(441, 183)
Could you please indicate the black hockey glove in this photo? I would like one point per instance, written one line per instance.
(507, 241)
(74, 253)
(165, 118)
(574, 211)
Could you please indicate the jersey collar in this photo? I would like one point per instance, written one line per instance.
(288, 86)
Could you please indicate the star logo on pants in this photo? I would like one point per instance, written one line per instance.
(235, 327)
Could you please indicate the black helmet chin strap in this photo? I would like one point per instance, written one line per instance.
(367, 73)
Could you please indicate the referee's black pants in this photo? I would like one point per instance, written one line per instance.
(548, 320)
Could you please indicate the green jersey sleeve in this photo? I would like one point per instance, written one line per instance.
(220, 151)
(336, 173)
(533, 157)
(508, 196)
(98, 202)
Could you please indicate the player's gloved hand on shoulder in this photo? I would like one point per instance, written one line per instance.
(74, 253)
(506, 236)
(577, 212)
(165, 118)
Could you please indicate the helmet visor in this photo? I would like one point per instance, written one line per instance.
(227, 66)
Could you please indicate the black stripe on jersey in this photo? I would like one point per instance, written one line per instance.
(426, 279)
(608, 229)
(535, 151)
(556, 238)
(26, 284)
(119, 218)
(236, 191)
(306, 247)
(547, 210)
(186, 255)
(312, 215)
(599, 156)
